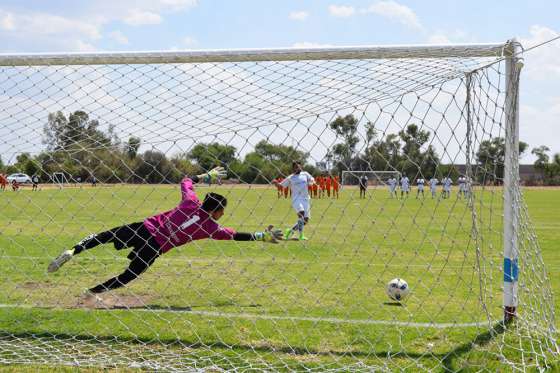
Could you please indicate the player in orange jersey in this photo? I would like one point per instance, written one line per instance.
(3, 182)
(328, 184)
(318, 182)
(286, 191)
(315, 190)
(279, 189)
(336, 186)
(323, 186)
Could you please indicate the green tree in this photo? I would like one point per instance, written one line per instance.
(490, 157)
(208, 156)
(541, 163)
(345, 127)
(154, 167)
(132, 146)
(61, 133)
(413, 139)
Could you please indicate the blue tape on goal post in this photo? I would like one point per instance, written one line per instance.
(511, 270)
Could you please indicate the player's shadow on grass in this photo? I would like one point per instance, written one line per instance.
(393, 304)
(158, 307)
(478, 341)
(58, 338)
(446, 359)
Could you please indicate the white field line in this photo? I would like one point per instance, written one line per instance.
(251, 316)
(271, 261)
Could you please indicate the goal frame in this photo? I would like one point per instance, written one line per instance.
(362, 172)
(60, 182)
(509, 51)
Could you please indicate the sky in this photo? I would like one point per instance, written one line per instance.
(147, 25)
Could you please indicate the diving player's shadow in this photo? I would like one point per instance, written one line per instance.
(393, 304)
(158, 307)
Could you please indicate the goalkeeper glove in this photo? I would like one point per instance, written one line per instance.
(215, 173)
(269, 235)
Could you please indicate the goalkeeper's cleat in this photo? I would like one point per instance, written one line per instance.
(60, 260)
(287, 233)
(302, 237)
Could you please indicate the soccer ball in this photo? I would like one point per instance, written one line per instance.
(397, 289)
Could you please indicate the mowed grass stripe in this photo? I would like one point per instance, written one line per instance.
(355, 247)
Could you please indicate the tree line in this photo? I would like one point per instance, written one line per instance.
(77, 146)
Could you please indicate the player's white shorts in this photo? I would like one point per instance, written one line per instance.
(421, 187)
(302, 205)
(405, 188)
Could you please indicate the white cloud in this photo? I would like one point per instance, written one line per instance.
(543, 62)
(299, 15)
(307, 44)
(178, 5)
(38, 31)
(438, 38)
(7, 21)
(47, 24)
(457, 36)
(341, 10)
(137, 17)
(49, 32)
(396, 12)
(119, 37)
(189, 41)
(539, 98)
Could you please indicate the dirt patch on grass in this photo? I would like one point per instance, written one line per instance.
(32, 285)
(112, 301)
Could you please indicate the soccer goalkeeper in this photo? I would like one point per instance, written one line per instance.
(190, 220)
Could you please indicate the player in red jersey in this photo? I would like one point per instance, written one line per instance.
(279, 189)
(323, 186)
(3, 182)
(336, 186)
(328, 184)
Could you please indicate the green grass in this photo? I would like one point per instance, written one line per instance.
(355, 247)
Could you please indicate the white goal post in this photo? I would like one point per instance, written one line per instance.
(374, 177)
(59, 178)
(480, 295)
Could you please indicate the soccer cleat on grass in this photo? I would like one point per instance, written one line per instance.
(287, 233)
(60, 260)
(302, 237)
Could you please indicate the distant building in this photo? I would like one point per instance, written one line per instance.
(322, 166)
(527, 173)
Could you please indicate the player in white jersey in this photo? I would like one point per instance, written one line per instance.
(447, 182)
(392, 182)
(420, 184)
(462, 181)
(433, 185)
(405, 186)
(299, 181)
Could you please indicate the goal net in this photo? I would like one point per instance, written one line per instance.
(59, 179)
(140, 122)
(373, 177)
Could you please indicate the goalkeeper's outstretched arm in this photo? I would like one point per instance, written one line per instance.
(270, 235)
(213, 174)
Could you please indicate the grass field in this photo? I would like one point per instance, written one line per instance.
(318, 304)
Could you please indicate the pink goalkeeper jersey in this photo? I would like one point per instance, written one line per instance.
(185, 223)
